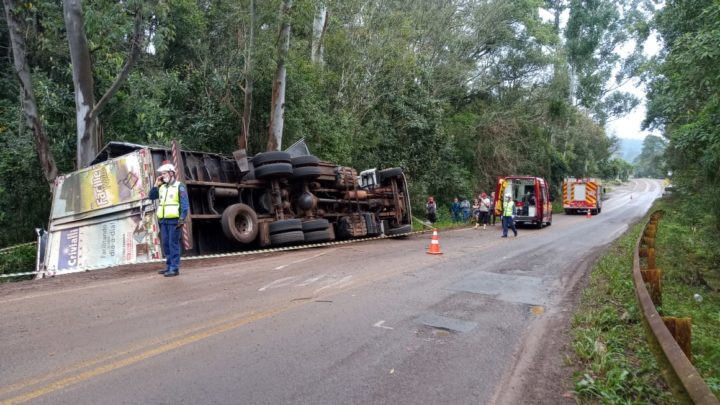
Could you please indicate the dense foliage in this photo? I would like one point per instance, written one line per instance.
(457, 92)
(684, 97)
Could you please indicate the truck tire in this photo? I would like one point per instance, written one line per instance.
(287, 238)
(271, 170)
(389, 173)
(264, 158)
(568, 211)
(306, 172)
(315, 225)
(400, 230)
(239, 222)
(302, 161)
(286, 225)
(317, 236)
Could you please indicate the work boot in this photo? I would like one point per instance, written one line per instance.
(171, 273)
(162, 271)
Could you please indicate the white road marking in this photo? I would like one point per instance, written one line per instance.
(304, 259)
(337, 283)
(278, 283)
(379, 324)
(311, 280)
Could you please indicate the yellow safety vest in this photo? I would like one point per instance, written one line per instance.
(508, 208)
(169, 201)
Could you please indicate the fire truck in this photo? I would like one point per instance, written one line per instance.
(582, 195)
(531, 197)
(101, 215)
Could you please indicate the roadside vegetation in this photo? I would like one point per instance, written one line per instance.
(688, 253)
(613, 361)
(18, 260)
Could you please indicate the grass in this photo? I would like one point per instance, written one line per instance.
(19, 260)
(611, 355)
(688, 253)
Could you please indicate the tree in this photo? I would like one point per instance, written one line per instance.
(42, 146)
(278, 93)
(650, 162)
(88, 124)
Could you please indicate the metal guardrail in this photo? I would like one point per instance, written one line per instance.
(684, 380)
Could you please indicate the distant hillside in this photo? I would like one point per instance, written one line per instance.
(630, 149)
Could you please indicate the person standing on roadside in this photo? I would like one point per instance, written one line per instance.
(484, 210)
(431, 209)
(493, 217)
(455, 210)
(476, 212)
(508, 216)
(172, 209)
(465, 206)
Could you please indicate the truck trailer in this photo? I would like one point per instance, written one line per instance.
(101, 215)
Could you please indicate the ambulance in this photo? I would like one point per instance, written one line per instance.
(531, 197)
(582, 195)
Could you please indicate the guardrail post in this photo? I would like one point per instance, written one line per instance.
(653, 282)
(651, 258)
(681, 331)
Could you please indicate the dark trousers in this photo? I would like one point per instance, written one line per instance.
(508, 222)
(483, 218)
(171, 243)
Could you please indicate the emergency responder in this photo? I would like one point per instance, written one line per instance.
(508, 216)
(172, 209)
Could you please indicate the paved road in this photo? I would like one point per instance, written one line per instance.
(375, 322)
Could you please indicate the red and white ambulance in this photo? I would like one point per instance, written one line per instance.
(531, 196)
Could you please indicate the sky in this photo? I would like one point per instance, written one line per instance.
(629, 125)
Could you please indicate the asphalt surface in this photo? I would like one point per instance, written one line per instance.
(374, 322)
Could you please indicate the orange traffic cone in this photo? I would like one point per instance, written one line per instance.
(434, 248)
(588, 215)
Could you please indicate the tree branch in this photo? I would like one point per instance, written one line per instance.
(135, 44)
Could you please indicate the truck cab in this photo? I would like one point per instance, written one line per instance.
(531, 197)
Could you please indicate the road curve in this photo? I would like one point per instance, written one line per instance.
(376, 322)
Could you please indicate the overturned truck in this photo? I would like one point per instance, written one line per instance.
(101, 216)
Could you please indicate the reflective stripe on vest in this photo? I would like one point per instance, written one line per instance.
(169, 201)
(508, 208)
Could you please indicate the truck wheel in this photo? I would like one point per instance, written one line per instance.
(287, 238)
(239, 222)
(302, 161)
(568, 211)
(318, 236)
(271, 170)
(389, 173)
(400, 230)
(539, 225)
(599, 210)
(306, 172)
(286, 225)
(315, 225)
(270, 157)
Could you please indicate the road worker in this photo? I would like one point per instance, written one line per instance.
(172, 209)
(508, 215)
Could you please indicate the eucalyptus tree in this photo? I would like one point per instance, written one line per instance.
(16, 30)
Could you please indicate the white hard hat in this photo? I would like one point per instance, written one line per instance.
(166, 167)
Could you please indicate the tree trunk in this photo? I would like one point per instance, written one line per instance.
(87, 112)
(15, 28)
(247, 100)
(320, 24)
(87, 135)
(278, 96)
